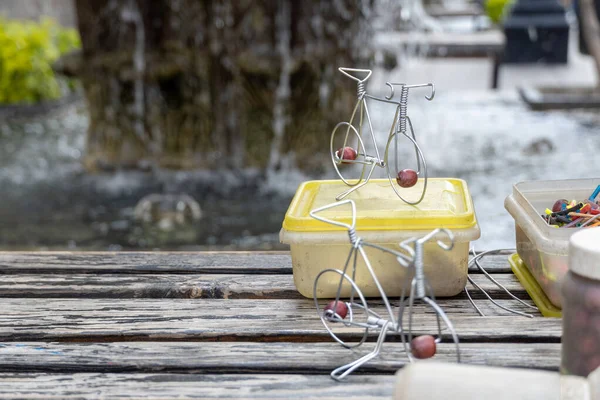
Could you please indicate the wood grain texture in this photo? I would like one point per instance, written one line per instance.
(149, 286)
(249, 357)
(206, 319)
(219, 325)
(193, 386)
(215, 286)
(146, 262)
(171, 263)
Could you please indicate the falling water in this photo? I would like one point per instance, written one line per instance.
(132, 14)
(282, 93)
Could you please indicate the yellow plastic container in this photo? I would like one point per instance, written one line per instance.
(381, 219)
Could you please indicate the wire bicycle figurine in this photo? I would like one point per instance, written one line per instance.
(354, 310)
(346, 154)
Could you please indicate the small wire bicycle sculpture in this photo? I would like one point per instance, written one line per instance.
(346, 154)
(354, 310)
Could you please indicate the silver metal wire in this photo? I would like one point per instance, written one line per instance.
(421, 290)
(353, 238)
(391, 321)
(475, 261)
(403, 109)
(473, 303)
(398, 127)
(360, 89)
(360, 316)
(420, 161)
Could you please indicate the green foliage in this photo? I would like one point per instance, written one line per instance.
(496, 9)
(27, 51)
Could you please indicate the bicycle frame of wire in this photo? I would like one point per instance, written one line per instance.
(397, 127)
(374, 320)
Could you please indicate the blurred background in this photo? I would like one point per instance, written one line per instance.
(189, 124)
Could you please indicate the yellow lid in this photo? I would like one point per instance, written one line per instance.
(447, 204)
(533, 288)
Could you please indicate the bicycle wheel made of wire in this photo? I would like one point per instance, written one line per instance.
(407, 320)
(396, 165)
(347, 151)
(343, 312)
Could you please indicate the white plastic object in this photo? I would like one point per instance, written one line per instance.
(584, 254)
(433, 380)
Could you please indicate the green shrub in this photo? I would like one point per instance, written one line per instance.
(27, 51)
(496, 9)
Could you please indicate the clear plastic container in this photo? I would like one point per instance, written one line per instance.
(382, 219)
(581, 305)
(543, 248)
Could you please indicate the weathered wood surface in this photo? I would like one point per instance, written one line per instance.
(193, 386)
(206, 319)
(219, 325)
(216, 286)
(250, 357)
(144, 263)
(172, 263)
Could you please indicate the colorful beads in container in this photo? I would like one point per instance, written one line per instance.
(574, 214)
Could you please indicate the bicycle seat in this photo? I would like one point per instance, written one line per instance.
(347, 72)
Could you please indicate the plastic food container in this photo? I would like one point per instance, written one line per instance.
(381, 219)
(581, 305)
(543, 248)
(533, 288)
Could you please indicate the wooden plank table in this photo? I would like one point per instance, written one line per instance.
(220, 325)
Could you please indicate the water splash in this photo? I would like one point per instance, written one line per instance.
(283, 91)
(131, 13)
